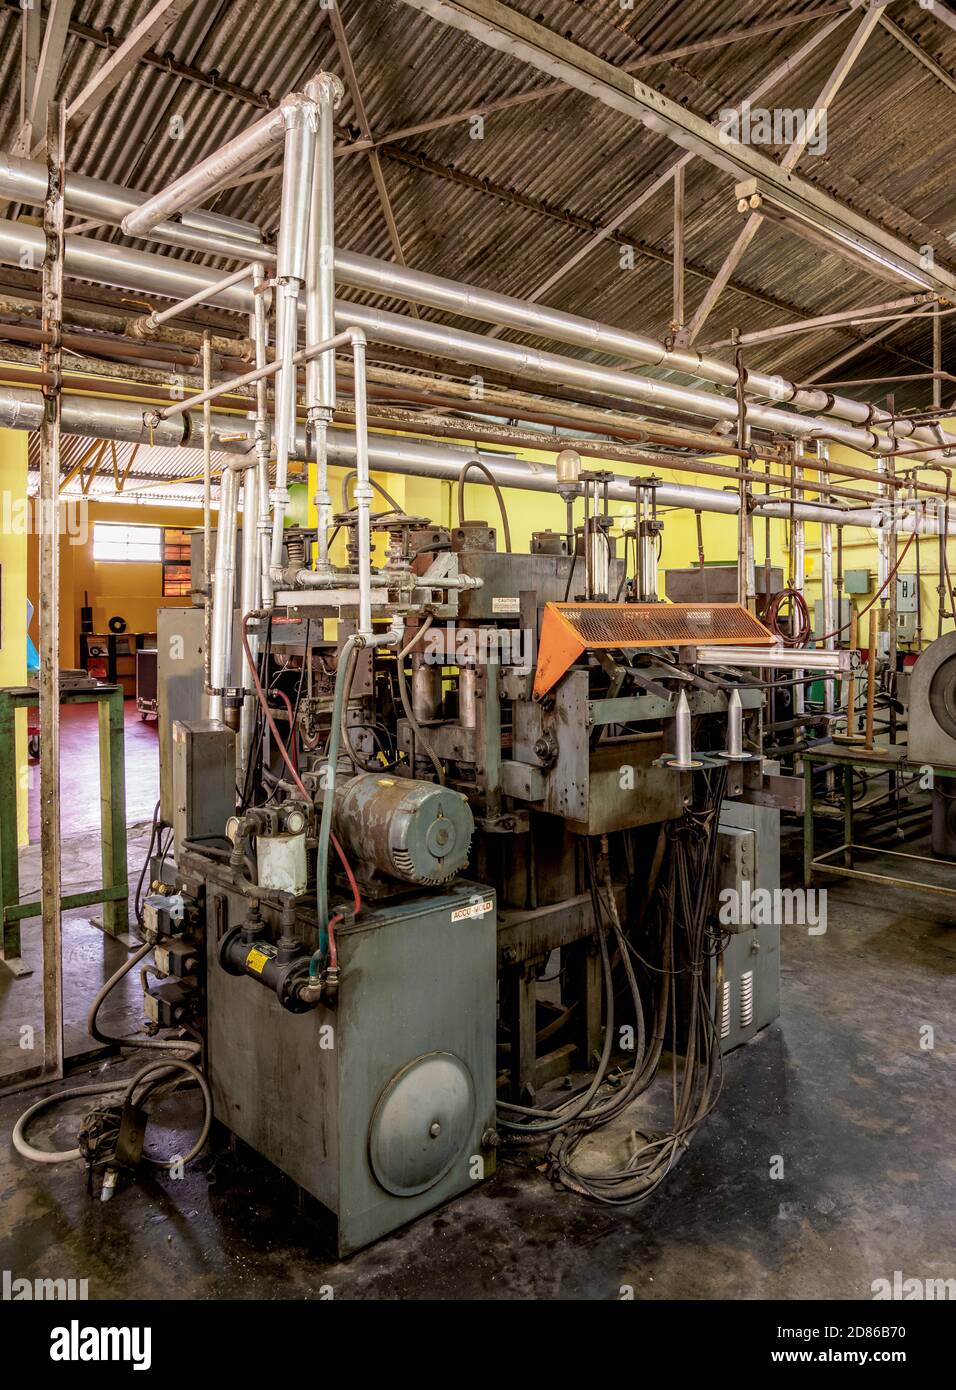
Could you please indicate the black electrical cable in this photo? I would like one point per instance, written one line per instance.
(685, 896)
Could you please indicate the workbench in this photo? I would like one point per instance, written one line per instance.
(850, 758)
(114, 892)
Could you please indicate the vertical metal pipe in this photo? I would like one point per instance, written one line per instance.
(50, 359)
(746, 578)
(207, 516)
(326, 90)
(826, 575)
(249, 585)
(851, 679)
(798, 540)
(363, 489)
(678, 315)
(871, 679)
(224, 591)
(291, 259)
(260, 335)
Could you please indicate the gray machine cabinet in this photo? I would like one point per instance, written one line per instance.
(179, 686)
(380, 1107)
(749, 850)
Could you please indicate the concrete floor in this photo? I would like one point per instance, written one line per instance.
(839, 1089)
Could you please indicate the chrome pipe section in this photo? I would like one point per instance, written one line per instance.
(778, 658)
(470, 301)
(830, 622)
(142, 271)
(326, 91)
(195, 185)
(799, 543)
(23, 180)
(301, 126)
(159, 316)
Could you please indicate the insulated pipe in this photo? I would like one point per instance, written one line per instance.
(327, 91)
(97, 417)
(363, 489)
(400, 331)
(24, 180)
(196, 185)
(224, 591)
(470, 301)
(291, 258)
(107, 202)
(105, 263)
(249, 585)
(260, 335)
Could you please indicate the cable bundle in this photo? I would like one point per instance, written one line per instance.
(687, 943)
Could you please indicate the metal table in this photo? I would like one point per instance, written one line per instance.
(851, 758)
(114, 892)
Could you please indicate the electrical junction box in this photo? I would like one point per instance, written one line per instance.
(843, 621)
(906, 593)
(748, 988)
(858, 581)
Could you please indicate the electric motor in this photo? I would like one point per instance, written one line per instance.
(412, 830)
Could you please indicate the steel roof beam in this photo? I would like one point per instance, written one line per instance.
(498, 26)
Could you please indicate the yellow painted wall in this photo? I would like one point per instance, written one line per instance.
(530, 512)
(132, 591)
(13, 593)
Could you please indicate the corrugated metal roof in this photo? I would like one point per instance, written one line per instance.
(507, 209)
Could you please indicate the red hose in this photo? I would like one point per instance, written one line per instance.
(288, 704)
(356, 895)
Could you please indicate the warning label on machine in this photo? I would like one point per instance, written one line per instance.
(472, 910)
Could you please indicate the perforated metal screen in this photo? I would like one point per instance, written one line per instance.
(570, 629)
(662, 624)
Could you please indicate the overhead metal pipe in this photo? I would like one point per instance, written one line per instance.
(197, 183)
(104, 418)
(141, 270)
(474, 348)
(24, 181)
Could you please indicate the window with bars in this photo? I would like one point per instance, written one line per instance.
(177, 573)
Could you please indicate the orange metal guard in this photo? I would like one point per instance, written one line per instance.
(568, 630)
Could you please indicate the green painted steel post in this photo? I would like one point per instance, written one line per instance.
(113, 810)
(9, 848)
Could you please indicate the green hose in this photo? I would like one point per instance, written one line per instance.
(328, 798)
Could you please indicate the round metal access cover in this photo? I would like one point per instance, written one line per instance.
(942, 696)
(421, 1123)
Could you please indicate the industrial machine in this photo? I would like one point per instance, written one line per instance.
(444, 832)
(382, 849)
